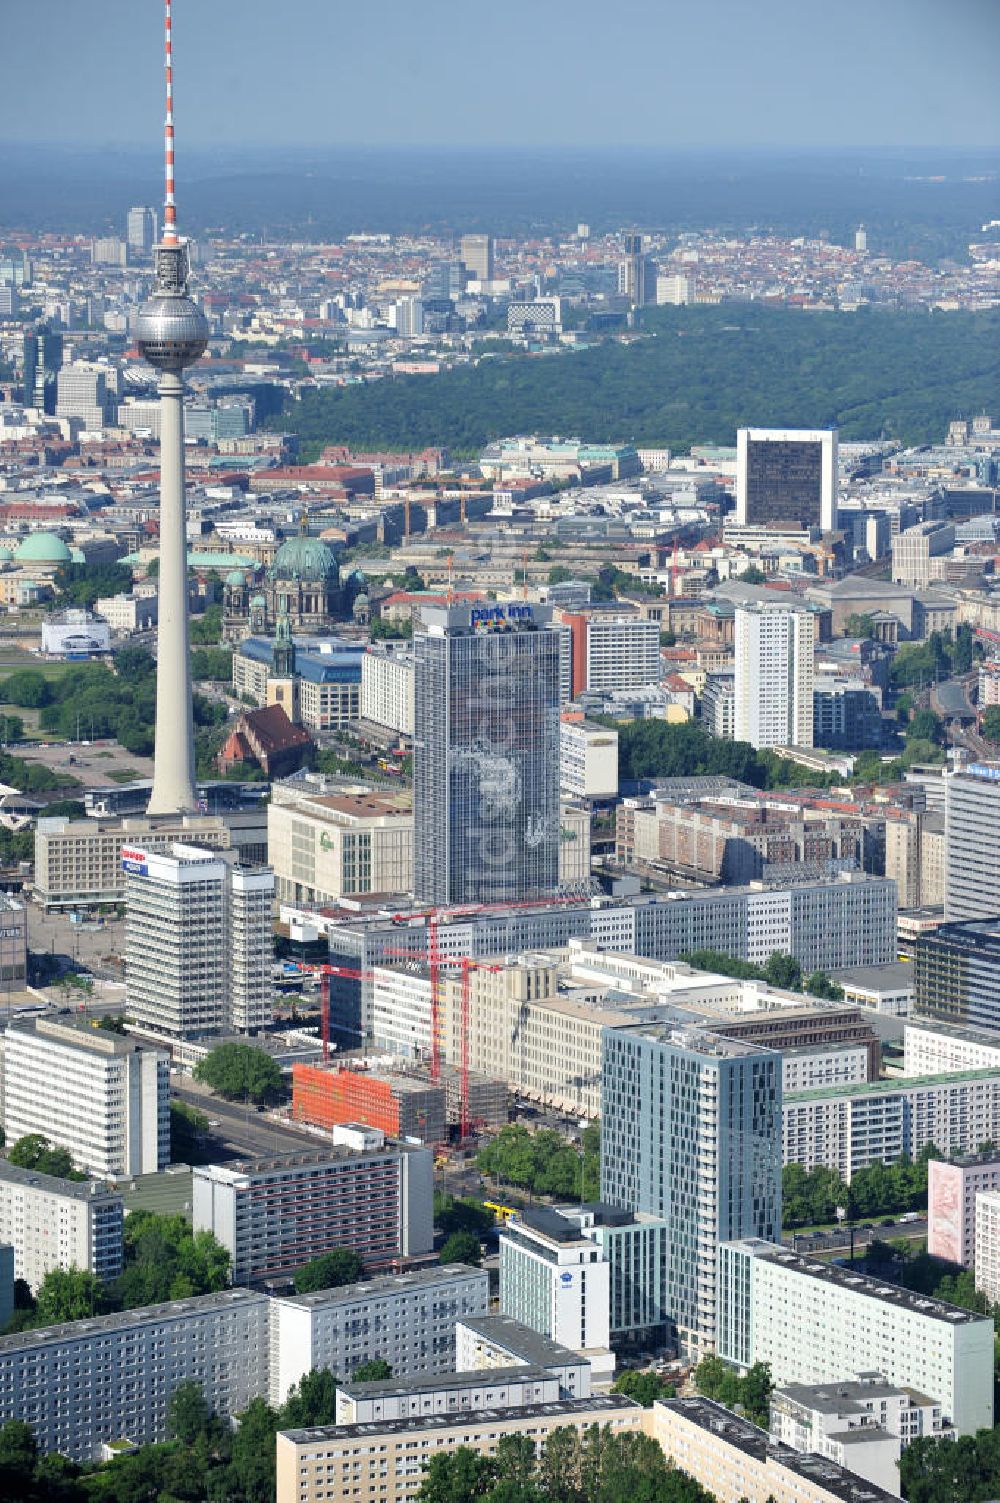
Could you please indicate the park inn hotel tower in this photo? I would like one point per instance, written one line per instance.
(486, 754)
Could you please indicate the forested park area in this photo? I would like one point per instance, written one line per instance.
(692, 376)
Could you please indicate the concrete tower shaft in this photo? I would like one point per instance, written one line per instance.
(172, 332)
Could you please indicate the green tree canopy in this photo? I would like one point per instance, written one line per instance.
(644, 1387)
(34, 1151)
(165, 1260)
(313, 1401)
(241, 1072)
(341, 1265)
(376, 1371)
(544, 1162)
(68, 1294)
(187, 1412)
(462, 1247)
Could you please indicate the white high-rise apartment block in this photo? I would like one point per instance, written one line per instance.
(786, 476)
(89, 1382)
(387, 689)
(103, 1097)
(250, 953)
(954, 1190)
(775, 651)
(848, 1127)
(816, 1322)
(588, 759)
(82, 392)
(197, 942)
(988, 1244)
(406, 1319)
(409, 318)
(59, 1223)
(556, 1280)
(623, 652)
(972, 843)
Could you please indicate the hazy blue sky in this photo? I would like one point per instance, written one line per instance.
(521, 72)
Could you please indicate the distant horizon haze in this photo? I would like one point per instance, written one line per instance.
(786, 74)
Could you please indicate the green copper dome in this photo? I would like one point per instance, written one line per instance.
(236, 579)
(305, 558)
(43, 548)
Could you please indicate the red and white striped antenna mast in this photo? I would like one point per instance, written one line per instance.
(169, 205)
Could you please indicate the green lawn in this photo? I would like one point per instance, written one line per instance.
(13, 659)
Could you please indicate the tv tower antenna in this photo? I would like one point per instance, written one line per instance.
(172, 332)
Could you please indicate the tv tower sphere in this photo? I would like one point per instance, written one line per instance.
(170, 329)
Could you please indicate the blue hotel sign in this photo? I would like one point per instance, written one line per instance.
(491, 617)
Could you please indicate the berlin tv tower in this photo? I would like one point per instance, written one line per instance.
(171, 332)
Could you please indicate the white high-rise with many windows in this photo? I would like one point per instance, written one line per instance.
(775, 652)
(103, 1097)
(197, 942)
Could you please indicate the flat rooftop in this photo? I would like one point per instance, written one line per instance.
(815, 1471)
(894, 1087)
(124, 1320)
(895, 976)
(845, 1398)
(387, 1285)
(291, 1163)
(399, 1388)
(600, 1405)
(862, 1284)
(53, 1184)
(521, 1341)
(78, 1036)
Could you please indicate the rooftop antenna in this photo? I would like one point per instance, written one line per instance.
(169, 206)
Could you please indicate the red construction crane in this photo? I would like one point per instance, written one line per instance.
(435, 960)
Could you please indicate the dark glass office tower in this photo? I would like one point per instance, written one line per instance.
(486, 754)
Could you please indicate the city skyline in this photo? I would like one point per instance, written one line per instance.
(783, 72)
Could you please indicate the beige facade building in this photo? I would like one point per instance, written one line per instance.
(914, 857)
(384, 1463)
(545, 1044)
(324, 847)
(78, 862)
(735, 1461)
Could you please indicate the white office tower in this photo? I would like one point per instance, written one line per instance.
(103, 1097)
(775, 651)
(691, 1134)
(82, 393)
(409, 318)
(556, 1280)
(198, 948)
(861, 239)
(972, 843)
(140, 228)
(786, 477)
(250, 951)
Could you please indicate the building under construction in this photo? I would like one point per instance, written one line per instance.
(404, 1103)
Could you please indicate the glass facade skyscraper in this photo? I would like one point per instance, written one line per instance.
(486, 754)
(691, 1133)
